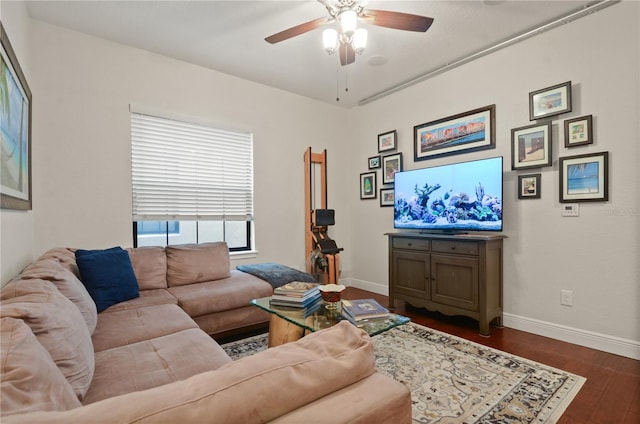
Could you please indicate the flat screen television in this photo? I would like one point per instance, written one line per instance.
(457, 197)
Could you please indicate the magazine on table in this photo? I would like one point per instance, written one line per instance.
(363, 309)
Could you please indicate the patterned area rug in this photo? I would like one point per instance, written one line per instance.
(453, 380)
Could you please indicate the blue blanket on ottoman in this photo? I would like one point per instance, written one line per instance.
(276, 274)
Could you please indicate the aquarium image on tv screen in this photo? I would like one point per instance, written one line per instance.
(457, 197)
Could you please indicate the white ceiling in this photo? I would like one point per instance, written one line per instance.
(228, 36)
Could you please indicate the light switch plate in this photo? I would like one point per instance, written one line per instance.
(571, 209)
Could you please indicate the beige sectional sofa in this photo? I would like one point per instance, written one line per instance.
(151, 359)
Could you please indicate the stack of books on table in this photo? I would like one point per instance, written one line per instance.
(363, 311)
(296, 294)
(296, 311)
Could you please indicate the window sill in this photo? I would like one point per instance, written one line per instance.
(249, 254)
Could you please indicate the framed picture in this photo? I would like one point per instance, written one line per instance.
(584, 178)
(368, 186)
(529, 186)
(374, 162)
(465, 132)
(387, 141)
(531, 146)
(390, 165)
(15, 120)
(550, 101)
(387, 197)
(578, 131)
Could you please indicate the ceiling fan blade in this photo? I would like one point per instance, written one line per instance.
(347, 54)
(297, 30)
(397, 20)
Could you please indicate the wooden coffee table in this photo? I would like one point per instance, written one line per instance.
(290, 324)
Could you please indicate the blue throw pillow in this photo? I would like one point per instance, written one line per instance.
(108, 276)
(82, 252)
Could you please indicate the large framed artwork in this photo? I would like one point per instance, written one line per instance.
(465, 132)
(584, 178)
(15, 133)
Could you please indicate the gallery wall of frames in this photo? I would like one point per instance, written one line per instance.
(582, 177)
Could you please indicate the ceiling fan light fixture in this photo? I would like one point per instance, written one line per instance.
(360, 40)
(330, 40)
(346, 38)
(348, 21)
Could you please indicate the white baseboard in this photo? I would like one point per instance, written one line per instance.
(603, 342)
(366, 285)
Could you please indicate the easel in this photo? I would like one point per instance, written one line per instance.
(320, 250)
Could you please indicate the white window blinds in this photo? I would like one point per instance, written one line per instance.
(185, 171)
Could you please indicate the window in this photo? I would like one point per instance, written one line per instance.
(154, 228)
(191, 183)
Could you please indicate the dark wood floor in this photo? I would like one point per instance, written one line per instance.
(611, 394)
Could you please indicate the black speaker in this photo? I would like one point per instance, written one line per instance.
(323, 217)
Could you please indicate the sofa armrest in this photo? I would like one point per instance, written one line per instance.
(377, 399)
(254, 389)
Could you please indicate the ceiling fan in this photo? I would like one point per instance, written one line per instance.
(349, 40)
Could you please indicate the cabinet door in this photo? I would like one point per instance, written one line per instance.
(454, 281)
(411, 274)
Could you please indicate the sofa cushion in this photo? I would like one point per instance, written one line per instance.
(31, 381)
(195, 263)
(222, 322)
(120, 328)
(254, 389)
(67, 283)
(233, 292)
(154, 362)
(150, 267)
(312, 367)
(375, 399)
(58, 326)
(108, 276)
(147, 298)
(65, 256)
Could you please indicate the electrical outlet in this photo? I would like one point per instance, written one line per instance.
(566, 297)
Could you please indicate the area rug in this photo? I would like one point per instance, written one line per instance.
(453, 380)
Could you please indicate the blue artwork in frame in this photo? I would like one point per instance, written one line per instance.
(15, 134)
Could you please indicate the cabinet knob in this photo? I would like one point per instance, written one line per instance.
(410, 244)
(453, 248)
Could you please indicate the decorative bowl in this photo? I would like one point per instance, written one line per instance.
(331, 292)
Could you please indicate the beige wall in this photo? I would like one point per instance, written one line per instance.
(594, 255)
(83, 178)
(16, 227)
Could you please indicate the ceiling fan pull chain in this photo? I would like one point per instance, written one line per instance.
(337, 81)
(346, 79)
